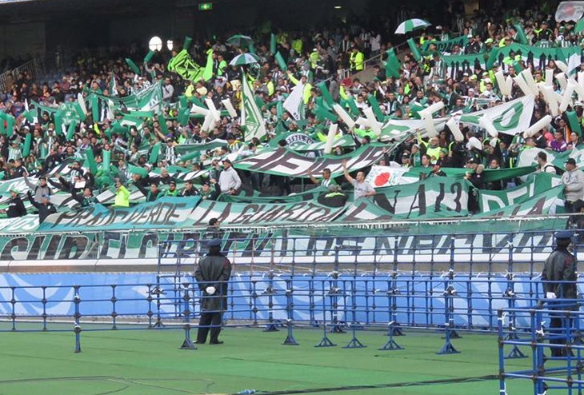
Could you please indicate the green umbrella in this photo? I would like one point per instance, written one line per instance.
(243, 59)
(410, 25)
(240, 40)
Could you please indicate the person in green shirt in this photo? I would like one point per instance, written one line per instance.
(326, 180)
(171, 191)
(122, 195)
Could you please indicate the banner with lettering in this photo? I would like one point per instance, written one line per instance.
(283, 162)
(436, 197)
(165, 213)
(536, 185)
(265, 213)
(446, 46)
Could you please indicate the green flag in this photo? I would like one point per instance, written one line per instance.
(91, 161)
(187, 43)
(574, 122)
(520, 34)
(153, 158)
(149, 56)
(281, 63)
(208, 72)
(105, 164)
(133, 66)
(163, 126)
(27, 143)
(326, 94)
(137, 170)
(376, 109)
(273, 44)
(414, 49)
(71, 131)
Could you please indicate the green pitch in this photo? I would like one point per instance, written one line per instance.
(151, 363)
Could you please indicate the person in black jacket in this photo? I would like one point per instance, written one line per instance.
(151, 195)
(190, 190)
(212, 275)
(45, 208)
(15, 206)
(87, 199)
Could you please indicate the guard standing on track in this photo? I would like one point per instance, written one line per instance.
(212, 275)
(559, 282)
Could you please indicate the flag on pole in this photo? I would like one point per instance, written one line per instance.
(251, 117)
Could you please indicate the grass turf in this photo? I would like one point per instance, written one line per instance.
(151, 363)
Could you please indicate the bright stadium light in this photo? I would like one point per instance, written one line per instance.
(169, 45)
(155, 44)
(338, 7)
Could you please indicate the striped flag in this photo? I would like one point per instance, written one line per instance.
(251, 116)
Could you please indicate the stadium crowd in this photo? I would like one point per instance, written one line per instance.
(336, 55)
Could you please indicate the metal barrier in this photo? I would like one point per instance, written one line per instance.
(336, 296)
(562, 368)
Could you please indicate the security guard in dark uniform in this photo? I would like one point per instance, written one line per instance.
(212, 275)
(559, 282)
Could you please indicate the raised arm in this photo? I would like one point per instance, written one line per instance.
(346, 172)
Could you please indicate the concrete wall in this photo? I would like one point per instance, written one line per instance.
(22, 39)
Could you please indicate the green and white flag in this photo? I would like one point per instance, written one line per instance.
(183, 65)
(251, 116)
(509, 118)
(294, 102)
(536, 185)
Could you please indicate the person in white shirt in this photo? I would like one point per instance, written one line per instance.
(361, 187)
(229, 181)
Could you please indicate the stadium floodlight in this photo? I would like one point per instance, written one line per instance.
(169, 45)
(155, 44)
(338, 7)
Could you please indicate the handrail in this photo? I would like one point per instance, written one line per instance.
(33, 66)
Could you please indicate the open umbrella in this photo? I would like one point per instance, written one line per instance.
(410, 25)
(240, 40)
(243, 59)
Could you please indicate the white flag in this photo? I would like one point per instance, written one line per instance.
(293, 103)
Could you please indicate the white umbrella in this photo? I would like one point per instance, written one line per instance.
(410, 25)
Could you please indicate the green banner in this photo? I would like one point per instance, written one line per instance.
(436, 197)
(447, 45)
(165, 213)
(536, 185)
(259, 213)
